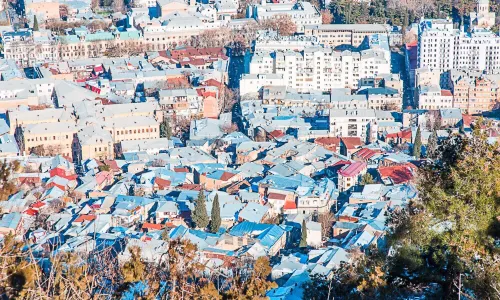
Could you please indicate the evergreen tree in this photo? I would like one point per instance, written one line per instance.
(367, 178)
(417, 144)
(35, 23)
(165, 129)
(215, 215)
(439, 236)
(432, 146)
(303, 235)
(199, 215)
(165, 236)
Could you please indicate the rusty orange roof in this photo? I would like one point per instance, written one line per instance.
(446, 93)
(152, 226)
(82, 218)
(351, 142)
(398, 174)
(276, 196)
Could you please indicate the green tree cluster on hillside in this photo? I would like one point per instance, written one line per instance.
(450, 233)
(452, 230)
(401, 13)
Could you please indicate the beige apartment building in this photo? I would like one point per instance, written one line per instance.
(344, 34)
(93, 135)
(132, 128)
(48, 138)
(20, 118)
(93, 142)
(475, 96)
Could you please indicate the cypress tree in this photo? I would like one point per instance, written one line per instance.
(199, 215)
(303, 235)
(35, 23)
(215, 215)
(165, 129)
(417, 144)
(432, 145)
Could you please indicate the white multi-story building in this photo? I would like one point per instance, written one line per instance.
(344, 34)
(442, 48)
(436, 44)
(27, 47)
(272, 41)
(357, 122)
(320, 68)
(433, 97)
(301, 13)
(252, 84)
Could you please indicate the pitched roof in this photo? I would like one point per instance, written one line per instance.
(398, 174)
(290, 205)
(446, 93)
(351, 142)
(82, 218)
(403, 134)
(277, 133)
(330, 143)
(152, 226)
(352, 169)
(162, 182)
(276, 196)
(365, 153)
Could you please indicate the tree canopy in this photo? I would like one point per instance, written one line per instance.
(199, 214)
(215, 219)
(450, 232)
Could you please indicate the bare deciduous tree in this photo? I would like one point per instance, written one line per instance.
(326, 220)
(326, 16)
(283, 24)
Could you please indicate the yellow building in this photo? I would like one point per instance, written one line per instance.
(93, 142)
(48, 139)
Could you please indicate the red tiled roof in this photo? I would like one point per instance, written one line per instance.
(330, 143)
(290, 205)
(82, 218)
(353, 169)
(190, 187)
(468, 119)
(177, 81)
(351, 142)
(277, 133)
(398, 174)
(152, 226)
(113, 165)
(162, 182)
(404, 134)
(38, 204)
(212, 82)
(365, 153)
(181, 170)
(342, 162)
(190, 51)
(31, 212)
(446, 93)
(226, 176)
(276, 196)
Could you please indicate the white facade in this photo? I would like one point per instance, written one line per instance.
(356, 122)
(301, 13)
(432, 97)
(442, 48)
(253, 83)
(320, 68)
